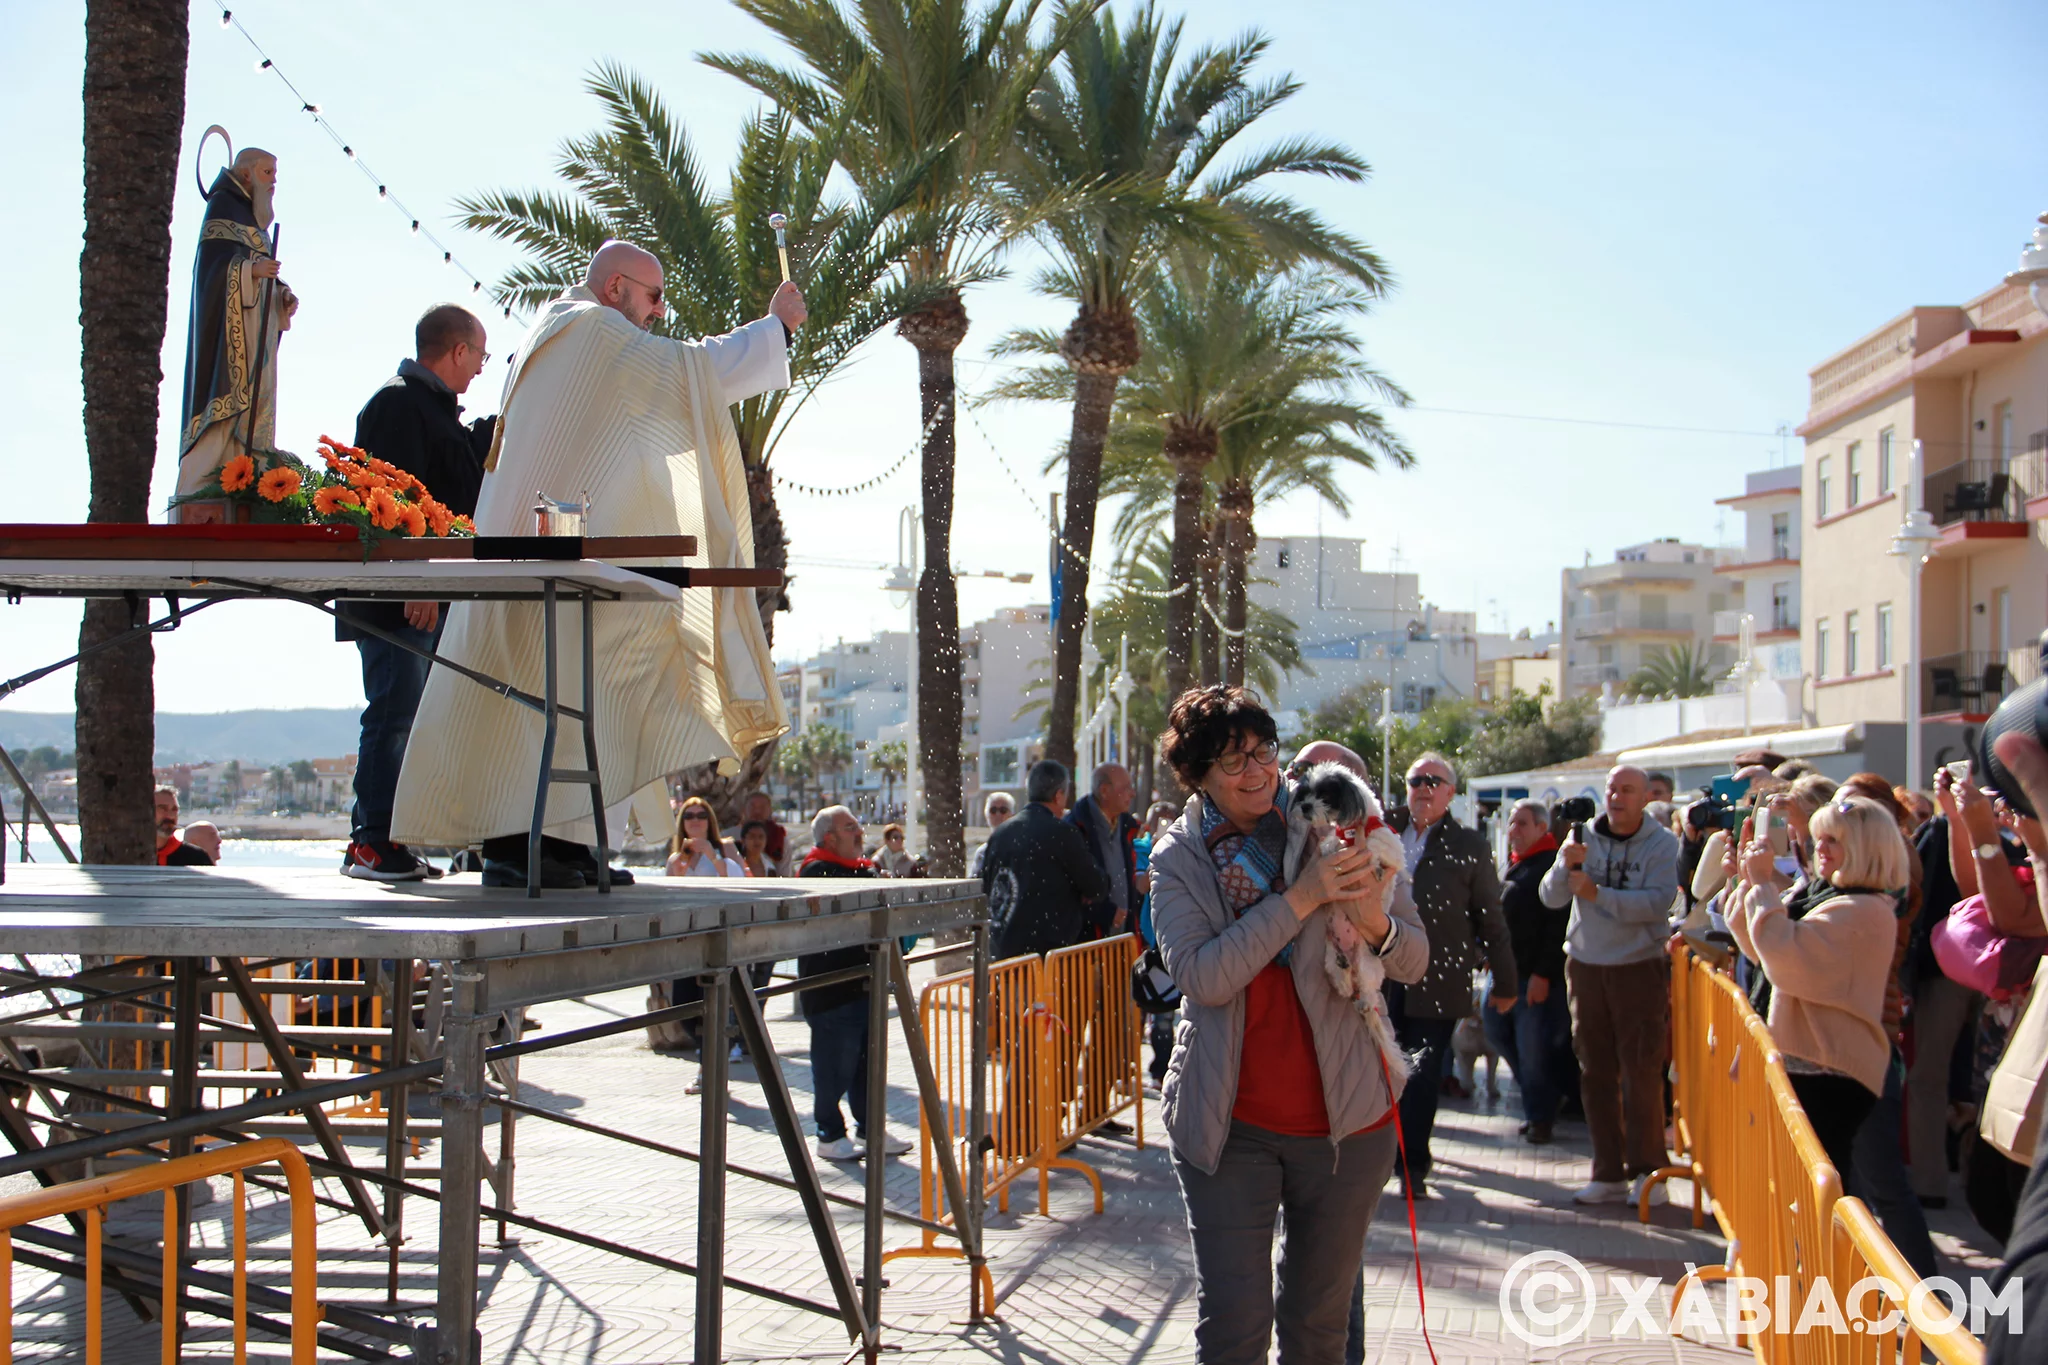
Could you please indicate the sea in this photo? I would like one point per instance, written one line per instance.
(233, 852)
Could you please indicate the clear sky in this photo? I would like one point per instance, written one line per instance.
(1622, 213)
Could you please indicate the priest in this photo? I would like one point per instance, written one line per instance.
(239, 310)
(596, 403)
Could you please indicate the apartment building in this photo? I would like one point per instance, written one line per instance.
(1359, 628)
(1969, 384)
(1616, 617)
(1765, 580)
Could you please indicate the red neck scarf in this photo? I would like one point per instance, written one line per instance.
(821, 854)
(1546, 844)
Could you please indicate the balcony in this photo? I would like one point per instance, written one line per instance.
(1728, 624)
(1973, 683)
(1601, 623)
(1633, 572)
(1984, 490)
(1589, 677)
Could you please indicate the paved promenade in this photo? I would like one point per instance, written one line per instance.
(1072, 1286)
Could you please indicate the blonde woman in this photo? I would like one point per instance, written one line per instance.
(1828, 970)
(697, 850)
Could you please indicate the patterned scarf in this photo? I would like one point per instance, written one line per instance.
(1249, 865)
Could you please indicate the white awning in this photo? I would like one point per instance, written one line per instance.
(1828, 739)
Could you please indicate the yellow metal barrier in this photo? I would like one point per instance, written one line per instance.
(1758, 1167)
(1063, 1058)
(92, 1196)
(1861, 1255)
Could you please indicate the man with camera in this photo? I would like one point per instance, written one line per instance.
(1619, 875)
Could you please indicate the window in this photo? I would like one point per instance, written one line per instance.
(1820, 649)
(1781, 535)
(1886, 439)
(2001, 620)
(1606, 654)
(1852, 630)
(1653, 610)
(1781, 607)
(2001, 433)
(1823, 474)
(1855, 461)
(1884, 635)
(1283, 557)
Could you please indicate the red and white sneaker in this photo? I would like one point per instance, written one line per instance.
(378, 861)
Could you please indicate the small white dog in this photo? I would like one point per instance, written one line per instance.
(1340, 810)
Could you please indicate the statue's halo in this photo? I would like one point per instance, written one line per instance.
(200, 151)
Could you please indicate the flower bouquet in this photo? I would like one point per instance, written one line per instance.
(356, 489)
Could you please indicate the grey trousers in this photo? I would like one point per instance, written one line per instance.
(1940, 1010)
(1325, 1197)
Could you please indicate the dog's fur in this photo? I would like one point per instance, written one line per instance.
(1469, 1047)
(1339, 809)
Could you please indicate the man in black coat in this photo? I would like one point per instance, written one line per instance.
(415, 423)
(1037, 874)
(1103, 819)
(1535, 1036)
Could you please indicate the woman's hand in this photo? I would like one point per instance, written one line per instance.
(1795, 817)
(1759, 866)
(1344, 875)
(1978, 816)
(2027, 827)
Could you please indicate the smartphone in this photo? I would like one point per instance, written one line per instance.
(1959, 770)
(1762, 830)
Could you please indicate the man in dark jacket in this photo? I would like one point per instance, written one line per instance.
(838, 1013)
(1107, 827)
(414, 422)
(1457, 895)
(1534, 1035)
(1037, 874)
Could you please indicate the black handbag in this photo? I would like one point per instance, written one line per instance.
(1151, 987)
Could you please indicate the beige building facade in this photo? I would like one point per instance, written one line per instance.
(1969, 384)
(1617, 617)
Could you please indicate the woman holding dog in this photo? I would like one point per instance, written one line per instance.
(1241, 905)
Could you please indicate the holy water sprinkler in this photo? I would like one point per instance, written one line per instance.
(780, 222)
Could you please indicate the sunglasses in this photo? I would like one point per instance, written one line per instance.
(695, 815)
(1430, 780)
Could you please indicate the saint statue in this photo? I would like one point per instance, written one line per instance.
(239, 309)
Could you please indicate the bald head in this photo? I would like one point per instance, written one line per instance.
(257, 170)
(1628, 791)
(627, 280)
(1328, 751)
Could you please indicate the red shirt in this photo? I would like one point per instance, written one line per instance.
(1279, 1085)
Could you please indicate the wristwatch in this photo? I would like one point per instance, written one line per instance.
(1986, 852)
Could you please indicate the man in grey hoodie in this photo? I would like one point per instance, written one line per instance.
(1620, 876)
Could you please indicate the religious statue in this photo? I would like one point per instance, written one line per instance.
(239, 310)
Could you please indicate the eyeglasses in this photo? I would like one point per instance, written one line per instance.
(653, 290)
(695, 815)
(1232, 763)
(1430, 780)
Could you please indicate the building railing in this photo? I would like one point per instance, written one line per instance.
(1729, 623)
(1975, 681)
(1592, 675)
(1862, 363)
(1622, 622)
(1984, 490)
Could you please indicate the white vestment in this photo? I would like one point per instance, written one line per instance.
(641, 423)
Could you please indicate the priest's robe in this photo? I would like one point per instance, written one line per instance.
(641, 423)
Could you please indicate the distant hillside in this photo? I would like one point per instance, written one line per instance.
(264, 737)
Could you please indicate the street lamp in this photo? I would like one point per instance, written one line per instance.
(1913, 540)
(2033, 271)
(902, 590)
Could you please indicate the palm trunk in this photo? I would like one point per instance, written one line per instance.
(937, 331)
(1100, 346)
(1190, 453)
(135, 55)
(1094, 397)
(1234, 517)
(1212, 572)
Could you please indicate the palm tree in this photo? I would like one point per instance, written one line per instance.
(135, 53)
(1143, 132)
(1676, 671)
(639, 178)
(304, 775)
(231, 783)
(892, 761)
(937, 86)
(793, 765)
(830, 751)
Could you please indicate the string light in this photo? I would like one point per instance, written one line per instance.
(264, 62)
(865, 484)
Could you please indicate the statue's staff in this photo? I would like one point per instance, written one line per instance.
(262, 345)
(780, 222)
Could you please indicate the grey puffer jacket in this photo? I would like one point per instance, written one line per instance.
(1213, 956)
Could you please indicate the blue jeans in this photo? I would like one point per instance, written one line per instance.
(839, 1066)
(1429, 1042)
(393, 680)
(1532, 1039)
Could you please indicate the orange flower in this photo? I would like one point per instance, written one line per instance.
(438, 517)
(332, 499)
(237, 474)
(415, 522)
(384, 467)
(464, 526)
(383, 510)
(408, 481)
(359, 477)
(279, 484)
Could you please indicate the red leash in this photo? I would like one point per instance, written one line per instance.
(1408, 1194)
